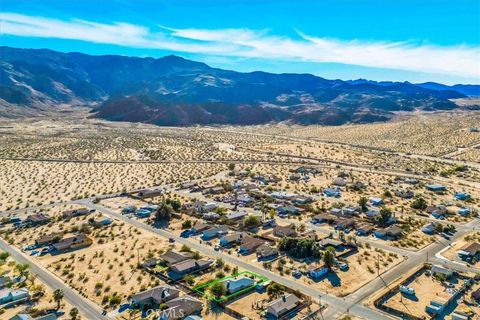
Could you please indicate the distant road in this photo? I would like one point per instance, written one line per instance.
(86, 307)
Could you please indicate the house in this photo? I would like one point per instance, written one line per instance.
(265, 252)
(464, 211)
(73, 243)
(153, 298)
(143, 213)
(438, 269)
(244, 198)
(405, 194)
(343, 224)
(235, 285)
(194, 207)
(211, 216)
(48, 239)
(37, 219)
(5, 281)
(232, 239)
(199, 227)
(429, 228)
(470, 250)
(151, 262)
(236, 215)
(214, 232)
(172, 257)
(129, 209)
(436, 307)
(325, 243)
(13, 295)
(250, 244)
(303, 200)
(336, 211)
(283, 305)
(372, 213)
(436, 187)
(323, 218)
(376, 201)
(351, 211)
(437, 212)
(209, 206)
(181, 307)
(475, 295)
(284, 231)
(317, 271)
(339, 181)
(462, 196)
(100, 221)
(75, 213)
(149, 193)
(283, 195)
(394, 232)
(364, 229)
(332, 192)
(391, 232)
(288, 210)
(189, 266)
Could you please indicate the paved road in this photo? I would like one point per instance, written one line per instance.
(86, 307)
(406, 155)
(336, 305)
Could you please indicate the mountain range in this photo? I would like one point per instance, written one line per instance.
(176, 91)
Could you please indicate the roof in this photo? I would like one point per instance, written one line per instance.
(394, 230)
(38, 218)
(472, 248)
(237, 214)
(186, 305)
(250, 243)
(330, 242)
(158, 294)
(68, 242)
(173, 257)
(284, 304)
(48, 238)
(284, 230)
(200, 226)
(234, 285)
(234, 237)
(189, 264)
(266, 251)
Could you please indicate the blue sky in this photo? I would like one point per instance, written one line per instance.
(400, 40)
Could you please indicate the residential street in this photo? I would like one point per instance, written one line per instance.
(86, 307)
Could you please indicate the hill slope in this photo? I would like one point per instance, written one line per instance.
(175, 91)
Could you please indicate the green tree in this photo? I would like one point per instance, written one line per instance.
(218, 289)
(274, 290)
(329, 257)
(385, 215)
(419, 204)
(174, 203)
(187, 224)
(164, 212)
(58, 297)
(22, 269)
(362, 202)
(74, 313)
(251, 222)
(231, 166)
(4, 255)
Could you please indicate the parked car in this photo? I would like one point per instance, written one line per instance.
(343, 266)
(171, 240)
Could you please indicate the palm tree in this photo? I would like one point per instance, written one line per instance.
(58, 297)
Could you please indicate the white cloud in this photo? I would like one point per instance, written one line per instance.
(458, 60)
